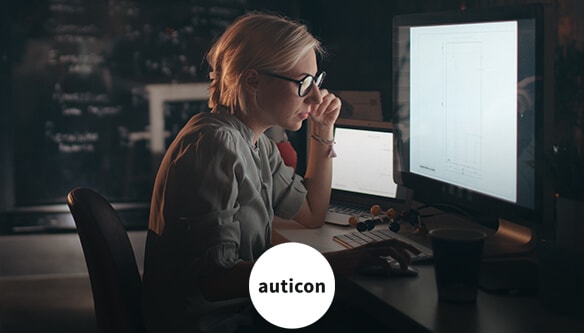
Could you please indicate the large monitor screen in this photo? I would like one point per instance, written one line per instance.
(472, 110)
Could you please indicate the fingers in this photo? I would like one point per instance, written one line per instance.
(394, 248)
(390, 255)
(399, 254)
(330, 106)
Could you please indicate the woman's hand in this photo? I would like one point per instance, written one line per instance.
(371, 253)
(349, 261)
(326, 113)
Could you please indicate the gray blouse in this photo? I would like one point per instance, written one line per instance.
(217, 188)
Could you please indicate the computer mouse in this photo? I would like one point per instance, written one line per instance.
(392, 270)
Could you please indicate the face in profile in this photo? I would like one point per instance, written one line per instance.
(278, 102)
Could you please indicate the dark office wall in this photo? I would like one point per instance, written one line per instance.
(74, 109)
(5, 134)
(74, 96)
(79, 70)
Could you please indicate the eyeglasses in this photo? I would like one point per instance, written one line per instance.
(304, 84)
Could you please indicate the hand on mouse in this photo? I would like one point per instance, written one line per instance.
(373, 253)
(351, 260)
(388, 267)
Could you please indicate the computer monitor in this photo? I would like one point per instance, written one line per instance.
(364, 161)
(362, 171)
(473, 102)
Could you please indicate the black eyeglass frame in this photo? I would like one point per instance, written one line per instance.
(314, 79)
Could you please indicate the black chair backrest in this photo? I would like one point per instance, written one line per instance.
(115, 279)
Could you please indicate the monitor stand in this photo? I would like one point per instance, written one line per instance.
(509, 266)
(510, 239)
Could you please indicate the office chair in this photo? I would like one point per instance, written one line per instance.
(116, 284)
(288, 153)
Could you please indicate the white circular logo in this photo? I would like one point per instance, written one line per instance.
(292, 285)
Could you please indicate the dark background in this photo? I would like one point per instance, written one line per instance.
(73, 75)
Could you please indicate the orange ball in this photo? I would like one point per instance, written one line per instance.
(375, 210)
(391, 213)
(353, 221)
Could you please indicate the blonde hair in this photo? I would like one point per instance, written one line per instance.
(260, 41)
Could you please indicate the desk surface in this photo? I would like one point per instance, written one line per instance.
(410, 304)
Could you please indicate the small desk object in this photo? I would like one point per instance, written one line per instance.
(410, 304)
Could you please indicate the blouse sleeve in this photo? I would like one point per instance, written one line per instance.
(202, 187)
(289, 191)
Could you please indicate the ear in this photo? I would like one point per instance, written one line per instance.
(251, 78)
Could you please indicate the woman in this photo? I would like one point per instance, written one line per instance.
(222, 180)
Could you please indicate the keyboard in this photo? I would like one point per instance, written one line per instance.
(356, 238)
(340, 214)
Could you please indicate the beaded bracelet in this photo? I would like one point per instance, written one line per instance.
(331, 153)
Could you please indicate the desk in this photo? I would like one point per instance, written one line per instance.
(409, 304)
